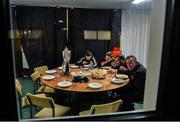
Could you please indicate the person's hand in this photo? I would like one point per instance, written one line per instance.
(113, 64)
(112, 70)
(91, 62)
(102, 63)
(84, 62)
(109, 60)
(122, 68)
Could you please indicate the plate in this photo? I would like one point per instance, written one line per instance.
(121, 76)
(50, 71)
(117, 81)
(95, 85)
(64, 84)
(86, 66)
(48, 77)
(74, 66)
(60, 67)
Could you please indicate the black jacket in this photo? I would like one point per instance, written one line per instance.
(137, 81)
(135, 89)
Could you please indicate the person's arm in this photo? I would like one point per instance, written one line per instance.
(80, 62)
(103, 62)
(94, 62)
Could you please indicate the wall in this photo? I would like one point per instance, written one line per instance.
(154, 56)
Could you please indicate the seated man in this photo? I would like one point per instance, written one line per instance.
(107, 60)
(119, 63)
(88, 59)
(123, 67)
(134, 90)
(137, 75)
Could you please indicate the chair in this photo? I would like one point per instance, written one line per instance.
(23, 101)
(41, 69)
(36, 81)
(35, 78)
(103, 108)
(50, 109)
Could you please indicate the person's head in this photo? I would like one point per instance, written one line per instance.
(108, 56)
(122, 59)
(117, 61)
(88, 55)
(131, 62)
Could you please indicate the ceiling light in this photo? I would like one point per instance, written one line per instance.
(60, 21)
(137, 1)
(64, 29)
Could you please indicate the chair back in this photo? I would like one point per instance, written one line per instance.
(18, 88)
(35, 76)
(41, 101)
(105, 108)
(41, 69)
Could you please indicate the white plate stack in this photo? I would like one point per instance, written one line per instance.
(50, 71)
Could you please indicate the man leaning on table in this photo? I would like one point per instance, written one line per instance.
(137, 75)
(134, 90)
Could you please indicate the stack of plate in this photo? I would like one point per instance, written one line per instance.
(50, 71)
(121, 76)
(60, 67)
(74, 66)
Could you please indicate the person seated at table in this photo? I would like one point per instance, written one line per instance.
(134, 90)
(118, 62)
(88, 59)
(107, 60)
(123, 67)
(137, 75)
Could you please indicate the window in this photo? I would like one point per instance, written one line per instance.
(52, 42)
(97, 35)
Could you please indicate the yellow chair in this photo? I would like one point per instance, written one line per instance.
(103, 108)
(50, 109)
(23, 101)
(36, 80)
(41, 69)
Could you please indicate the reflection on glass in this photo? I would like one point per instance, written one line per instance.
(96, 26)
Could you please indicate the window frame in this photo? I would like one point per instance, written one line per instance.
(11, 109)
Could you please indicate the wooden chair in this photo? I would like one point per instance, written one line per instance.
(103, 108)
(50, 109)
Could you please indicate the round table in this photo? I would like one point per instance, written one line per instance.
(107, 85)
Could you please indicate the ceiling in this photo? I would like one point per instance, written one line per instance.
(100, 4)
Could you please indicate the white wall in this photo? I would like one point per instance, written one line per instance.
(155, 51)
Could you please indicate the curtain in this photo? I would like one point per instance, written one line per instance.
(135, 34)
(43, 33)
(41, 37)
(89, 19)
